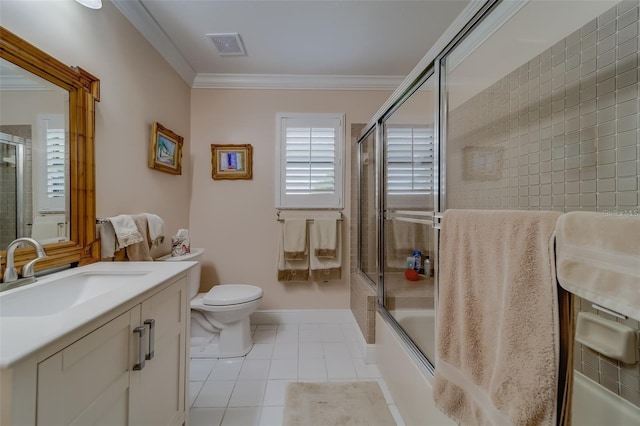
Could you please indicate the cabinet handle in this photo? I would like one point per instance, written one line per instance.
(152, 340)
(141, 331)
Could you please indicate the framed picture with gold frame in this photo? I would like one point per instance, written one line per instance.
(231, 162)
(165, 150)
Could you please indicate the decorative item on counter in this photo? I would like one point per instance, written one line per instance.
(180, 243)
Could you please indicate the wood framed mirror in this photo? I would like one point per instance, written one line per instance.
(74, 189)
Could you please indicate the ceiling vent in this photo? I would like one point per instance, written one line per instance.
(228, 44)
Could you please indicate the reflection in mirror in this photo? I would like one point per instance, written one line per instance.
(34, 157)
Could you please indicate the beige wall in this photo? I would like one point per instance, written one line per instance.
(137, 88)
(236, 220)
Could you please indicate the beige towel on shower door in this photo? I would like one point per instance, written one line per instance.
(498, 329)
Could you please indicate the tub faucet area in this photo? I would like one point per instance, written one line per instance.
(10, 278)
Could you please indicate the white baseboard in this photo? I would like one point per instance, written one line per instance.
(318, 316)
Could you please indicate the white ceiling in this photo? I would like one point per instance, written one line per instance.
(374, 39)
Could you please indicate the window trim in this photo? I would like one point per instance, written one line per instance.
(309, 201)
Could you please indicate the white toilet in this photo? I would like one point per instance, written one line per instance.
(219, 318)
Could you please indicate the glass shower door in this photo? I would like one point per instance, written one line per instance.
(408, 145)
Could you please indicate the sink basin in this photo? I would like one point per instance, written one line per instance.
(50, 297)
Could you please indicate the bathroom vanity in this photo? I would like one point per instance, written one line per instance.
(100, 344)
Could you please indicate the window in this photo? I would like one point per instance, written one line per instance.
(409, 160)
(310, 160)
(51, 162)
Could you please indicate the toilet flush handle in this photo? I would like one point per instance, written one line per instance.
(152, 340)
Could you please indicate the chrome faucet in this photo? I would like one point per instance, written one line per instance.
(10, 273)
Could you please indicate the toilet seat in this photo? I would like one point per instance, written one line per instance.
(231, 294)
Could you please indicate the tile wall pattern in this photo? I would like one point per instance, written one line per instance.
(559, 133)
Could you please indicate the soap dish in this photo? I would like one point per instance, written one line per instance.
(610, 338)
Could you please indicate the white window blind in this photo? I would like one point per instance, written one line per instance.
(310, 161)
(409, 152)
(55, 163)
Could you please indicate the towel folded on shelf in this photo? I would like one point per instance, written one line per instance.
(140, 250)
(295, 239)
(324, 236)
(156, 227)
(324, 268)
(598, 258)
(291, 270)
(497, 329)
(126, 231)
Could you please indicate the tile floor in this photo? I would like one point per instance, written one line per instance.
(250, 390)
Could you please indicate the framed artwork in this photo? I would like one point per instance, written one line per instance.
(165, 150)
(231, 162)
(482, 163)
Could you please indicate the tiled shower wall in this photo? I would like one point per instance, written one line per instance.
(559, 133)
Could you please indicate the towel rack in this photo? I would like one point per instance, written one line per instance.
(340, 219)
(99, 221)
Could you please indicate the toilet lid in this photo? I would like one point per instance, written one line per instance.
(231, 294)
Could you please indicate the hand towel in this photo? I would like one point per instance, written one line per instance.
(126, 231)
(324, 268)
(107, 240)
(156, 226)
(599, 259)
(291, 269)
(295, 239)
(324, 233)
(140, 251)
(497, 327)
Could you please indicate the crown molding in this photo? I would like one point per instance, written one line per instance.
(140, 18)
(296, 81)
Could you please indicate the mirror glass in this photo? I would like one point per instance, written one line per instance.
(34, 157)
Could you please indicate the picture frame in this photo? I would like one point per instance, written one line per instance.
(231, 162)
(165, 150)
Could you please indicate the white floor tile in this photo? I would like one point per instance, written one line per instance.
(194, 389)
(199, 369)
(287, 336)
(283, 369)
(312, 369)
(206, 416)
(241, 416)
(309, 333)
(254, 369)
(214, 394)
(310, 351)
(226, 369)
(336, 351)
(354, 349)
(275, 392)
(340, 369)
(260, 351)
(332, 333)
(272, 416)
(247, 394)
(264, 336)
(396, 415)
(365, 371)
(285, 350)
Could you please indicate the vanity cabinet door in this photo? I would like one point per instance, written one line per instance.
(158, 389)
(88, 381)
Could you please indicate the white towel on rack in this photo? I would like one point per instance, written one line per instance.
(291, 270)
(324, 233)
(295, 239)
(156, 226)
(108, 240)
(126, 231)
(324, 268)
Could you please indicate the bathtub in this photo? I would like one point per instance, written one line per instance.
(419, 324)
(597, 406)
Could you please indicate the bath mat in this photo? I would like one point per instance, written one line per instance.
(336, 403)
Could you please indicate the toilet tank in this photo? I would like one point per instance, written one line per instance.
(194, 276)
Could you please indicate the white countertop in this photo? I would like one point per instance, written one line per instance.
(21, 336)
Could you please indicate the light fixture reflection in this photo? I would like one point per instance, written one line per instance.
(92, 4)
